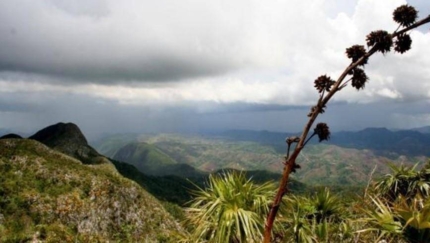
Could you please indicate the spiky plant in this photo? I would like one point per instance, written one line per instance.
(316, 218)
(404, 181)
(399, 209)
(231, 209)
(415, 217)
(383, 220)
(326, 205)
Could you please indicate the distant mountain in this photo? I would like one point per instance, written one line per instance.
(11, 135)
(108, 145)
(326, 164)
(68, 138)
(380, 140)
(150, 160)
(322, 163)
(47, 196)
(273, 139)
(425, 129)
(385, 142)
(4, 131)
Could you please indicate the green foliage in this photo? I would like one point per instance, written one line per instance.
(231, 209)
(145, 157)
(48, 196)
(320, 217)
(404, 181)
(400, 208)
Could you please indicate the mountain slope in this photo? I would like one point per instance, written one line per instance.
(110, 144)
(145, 157)
(68, 138)
(380, 140)
(150, 160)
(11, 135)
(332, 165)
(385, 142)
(425, 129)
(322, 164)
(49, 196)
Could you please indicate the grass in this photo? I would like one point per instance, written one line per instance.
(55, 198)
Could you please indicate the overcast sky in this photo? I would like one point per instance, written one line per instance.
(166, 66)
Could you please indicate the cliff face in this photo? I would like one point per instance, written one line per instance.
(48, 196)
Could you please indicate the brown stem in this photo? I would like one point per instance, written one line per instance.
(322, 101)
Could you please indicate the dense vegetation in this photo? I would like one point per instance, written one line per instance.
(46, 195)
(393, 209)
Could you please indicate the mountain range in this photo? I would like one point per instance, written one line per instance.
(382, 141)
(348, 158)
(55, 186)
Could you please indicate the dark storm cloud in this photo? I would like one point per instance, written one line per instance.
(239, 107)
(97, 116)
(8, 106)
(108, 41)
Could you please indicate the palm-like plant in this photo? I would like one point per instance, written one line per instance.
(400, 208)
(415, 216)
(383, 220)
(296, 224)
(318, 218)
(231, 209)
(404, 181)
(326, 206)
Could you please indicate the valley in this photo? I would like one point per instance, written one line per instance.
(321, 164)
(57, 185)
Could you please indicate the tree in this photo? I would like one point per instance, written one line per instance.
(377, 41)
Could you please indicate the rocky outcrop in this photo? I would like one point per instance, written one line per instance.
(68, 138)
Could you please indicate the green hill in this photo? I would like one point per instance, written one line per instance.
(51, 197)
(145, 157)
(322, 164)
(109, 145)
(332, 165)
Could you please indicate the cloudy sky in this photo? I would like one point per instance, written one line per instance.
(166, 66)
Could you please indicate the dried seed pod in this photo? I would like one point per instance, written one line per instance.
(359, 78)
(403, 43)
(380, 39)
(355, 52)
(322, 83)
(323, 131)
(405, 15)
(314, 108)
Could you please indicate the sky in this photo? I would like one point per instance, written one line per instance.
(187, 66)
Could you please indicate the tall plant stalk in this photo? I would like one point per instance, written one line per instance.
(377, 41)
